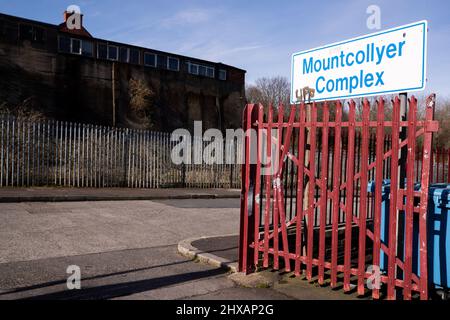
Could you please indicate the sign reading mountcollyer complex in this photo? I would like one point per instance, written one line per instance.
(385, 62)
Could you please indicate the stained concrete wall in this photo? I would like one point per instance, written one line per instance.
(75, 88)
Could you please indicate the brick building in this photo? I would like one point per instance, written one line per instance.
(72, 76)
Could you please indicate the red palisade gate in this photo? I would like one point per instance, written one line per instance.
(307, 205)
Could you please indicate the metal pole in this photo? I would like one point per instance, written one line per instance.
(305, 199)
(113, 78)
(402, 173)
(403, 134)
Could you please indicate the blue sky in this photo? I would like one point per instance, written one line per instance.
(258, 36)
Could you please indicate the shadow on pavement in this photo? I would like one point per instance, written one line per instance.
(63, 281)
(127, 288)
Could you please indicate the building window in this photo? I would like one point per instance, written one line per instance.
(25, 32)
(173, 64)
(161, 61)
(134, 56)
(38, 34)
(75, 47)
(222, 74)
(87, 48)
(64, 44)
(102, 51)
(123, 56)
(113, 53)
(149, 59)
(202, 71)
(193, 68)
(210, 72)
(10, 31)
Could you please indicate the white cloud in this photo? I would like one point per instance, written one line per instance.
(188, 17)
(240, 49)
(215, 50)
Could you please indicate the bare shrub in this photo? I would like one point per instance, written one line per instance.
(141, 100)
(28, 110)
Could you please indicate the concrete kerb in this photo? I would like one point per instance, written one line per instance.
(295, 288)
(253, 280)
(186, 249)
(76, 198)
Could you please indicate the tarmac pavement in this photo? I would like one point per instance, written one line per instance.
(129, 250)
(156, 273)
(124, 249)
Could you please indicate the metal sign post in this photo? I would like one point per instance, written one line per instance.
(402, 169)
(403, 134)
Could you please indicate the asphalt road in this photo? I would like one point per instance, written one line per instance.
(125, 250)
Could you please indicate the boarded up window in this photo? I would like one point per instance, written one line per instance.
(134, 56)
(102, 51)
(123, 54)
(202, 71)
(210, 72)
(38, 35)
(2, 28)
(10, 31)
(162, 62)
(113, 53)
(25, 32)
(31, 33)
(64, 44)
(88, 48)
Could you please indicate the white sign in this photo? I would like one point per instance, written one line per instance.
(385, 62)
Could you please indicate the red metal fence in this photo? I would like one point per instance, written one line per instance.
(314, 214)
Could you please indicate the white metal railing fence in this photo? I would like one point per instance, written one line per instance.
(56, 153)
